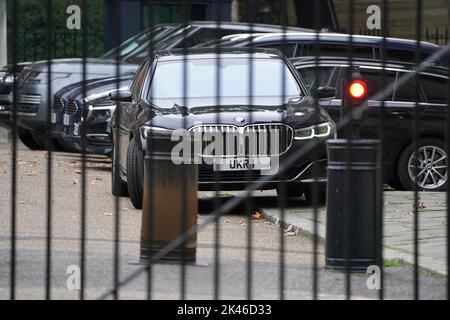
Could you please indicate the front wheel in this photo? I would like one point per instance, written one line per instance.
(134, 180)
(426, 169)
(27, 139)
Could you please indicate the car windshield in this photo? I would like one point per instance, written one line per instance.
(270, 78)
(138, 55)
(137, 41)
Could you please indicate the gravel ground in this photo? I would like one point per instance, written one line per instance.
(166, 279)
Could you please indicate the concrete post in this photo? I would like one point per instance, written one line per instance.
(3, 46)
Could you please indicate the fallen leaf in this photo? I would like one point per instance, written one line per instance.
(107, 213)
(290, 234)
(257, 215)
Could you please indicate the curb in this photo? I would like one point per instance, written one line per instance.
(305, 227)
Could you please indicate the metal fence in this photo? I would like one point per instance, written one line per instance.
(349, 124)
(65, 44)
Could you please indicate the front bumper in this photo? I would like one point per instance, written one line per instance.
(309, 167)
(33, 105)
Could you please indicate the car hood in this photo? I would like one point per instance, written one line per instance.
(295, 112)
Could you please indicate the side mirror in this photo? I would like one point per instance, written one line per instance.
(120, 96)
(326, 93)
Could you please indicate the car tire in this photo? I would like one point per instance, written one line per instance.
(290, 191)
(27, 139)
(119, 187)
(134, 181)
(321, 195)
(68, 147)
(432, 166)
(44, 143)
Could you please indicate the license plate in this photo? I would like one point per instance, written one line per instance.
(76, 129)
(66, 119)
(53, 117)
(241, 164)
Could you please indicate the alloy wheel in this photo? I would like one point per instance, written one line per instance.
(428, 168)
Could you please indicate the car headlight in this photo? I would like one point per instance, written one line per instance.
(9, 79)
(148, 131)
(319, 131)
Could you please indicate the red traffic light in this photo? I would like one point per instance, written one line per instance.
(357, 89)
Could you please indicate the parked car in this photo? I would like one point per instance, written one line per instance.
(33, 104)
(156, 103)
(331, 44)
(400, 109)
(69, 116)
(74, 65)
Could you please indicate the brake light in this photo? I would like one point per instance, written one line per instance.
(357, 89)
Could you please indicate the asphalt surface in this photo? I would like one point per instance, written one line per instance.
(165, 280)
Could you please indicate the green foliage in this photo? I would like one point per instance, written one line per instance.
(33, 24)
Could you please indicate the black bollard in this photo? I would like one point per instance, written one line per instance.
(170, 195)
(353, 206)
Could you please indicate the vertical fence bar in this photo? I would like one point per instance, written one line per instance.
(251, 9)
(83, 158)
(282, 185)
(150, 5)
(416, 149)
(315, 190)
(380, 217)
(117, 40)
(49, 16)
(183, 222)
(12, 280)
(448, 150)
(348, 173)
(217, 174)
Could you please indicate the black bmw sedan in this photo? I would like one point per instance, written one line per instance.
(269, 120)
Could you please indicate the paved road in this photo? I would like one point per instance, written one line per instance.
(166, 279)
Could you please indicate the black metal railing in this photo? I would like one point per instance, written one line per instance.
(355, 117)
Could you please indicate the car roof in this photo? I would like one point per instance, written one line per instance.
(335, 37)
(376, 63)
(208, 53)
(257, 27)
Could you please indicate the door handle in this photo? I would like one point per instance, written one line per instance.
(400, 114)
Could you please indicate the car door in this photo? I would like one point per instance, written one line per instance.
(400, 113)
(435, 88)
(123, 126)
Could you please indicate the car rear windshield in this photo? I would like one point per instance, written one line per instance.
(269, 77)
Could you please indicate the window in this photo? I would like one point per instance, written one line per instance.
(404, 55)
(287, 49)
(205, 35)
(138, 80)
(374, 81)
(324, 74)
(337, 50)
(406, 92)
(435, 89)
(201, 75)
